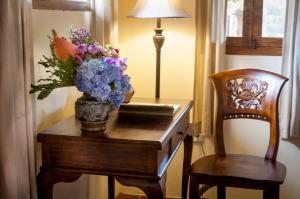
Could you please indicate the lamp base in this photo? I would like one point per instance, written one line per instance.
(158, 40)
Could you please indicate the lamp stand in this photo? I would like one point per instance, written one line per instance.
(158, 40)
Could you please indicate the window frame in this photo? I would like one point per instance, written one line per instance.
(62, 5)
(252, 42)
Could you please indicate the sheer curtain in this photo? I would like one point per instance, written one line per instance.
(290, 104)
(210, 52)
(17, 164)
(104, 24)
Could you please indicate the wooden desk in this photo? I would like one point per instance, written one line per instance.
(135, 150)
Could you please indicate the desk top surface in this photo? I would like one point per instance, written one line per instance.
(148, 130)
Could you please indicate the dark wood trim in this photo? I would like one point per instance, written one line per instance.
(252, 43)
(257, 16)
(237, 41)
(269, 42)
(111, 187)
(62, 5)
(244, 50)
(248, 21)
(188, 148)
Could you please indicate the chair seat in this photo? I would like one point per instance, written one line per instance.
(239, 167)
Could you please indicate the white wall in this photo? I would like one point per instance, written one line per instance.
(271, 63)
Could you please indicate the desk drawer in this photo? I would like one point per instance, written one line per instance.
(101, 157)
(177, 134)
(172, 143)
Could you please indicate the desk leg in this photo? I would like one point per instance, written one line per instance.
(111, 187)
(154, 189)
(46, 179)
(188, 147)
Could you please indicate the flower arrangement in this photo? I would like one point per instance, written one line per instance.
(95, 70)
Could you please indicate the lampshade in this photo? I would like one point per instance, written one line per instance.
(158, 9)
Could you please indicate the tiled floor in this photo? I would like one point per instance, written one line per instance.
(127, 196)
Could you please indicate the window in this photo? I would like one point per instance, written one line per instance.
(75, 5)
(255, 27)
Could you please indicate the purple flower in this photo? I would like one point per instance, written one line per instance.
(111, 61)
(77, 59)
(123, 63)
(81, 49)
(80, 35)
(94, 49)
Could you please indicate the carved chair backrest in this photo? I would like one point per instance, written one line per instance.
(250, 94)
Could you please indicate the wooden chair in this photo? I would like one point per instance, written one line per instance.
(249, 94)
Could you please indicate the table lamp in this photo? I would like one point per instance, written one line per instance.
(158, 9)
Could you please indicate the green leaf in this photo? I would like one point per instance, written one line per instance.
(44, 94)
(60, 74)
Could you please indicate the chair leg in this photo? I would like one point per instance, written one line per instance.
(272, 193)
(221, 192)
(194, 187)
(111, 187)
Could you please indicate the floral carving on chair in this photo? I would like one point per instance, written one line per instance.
(246, 93)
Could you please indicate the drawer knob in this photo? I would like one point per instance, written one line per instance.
(180, 133)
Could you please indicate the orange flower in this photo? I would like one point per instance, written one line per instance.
(63, 48)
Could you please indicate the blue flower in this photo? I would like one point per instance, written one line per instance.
(125, 83)
(116, 97)
(103, 79)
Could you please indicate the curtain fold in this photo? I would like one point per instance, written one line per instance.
(104, 24)
(290, 104)
(17, 162)
(210, 54)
